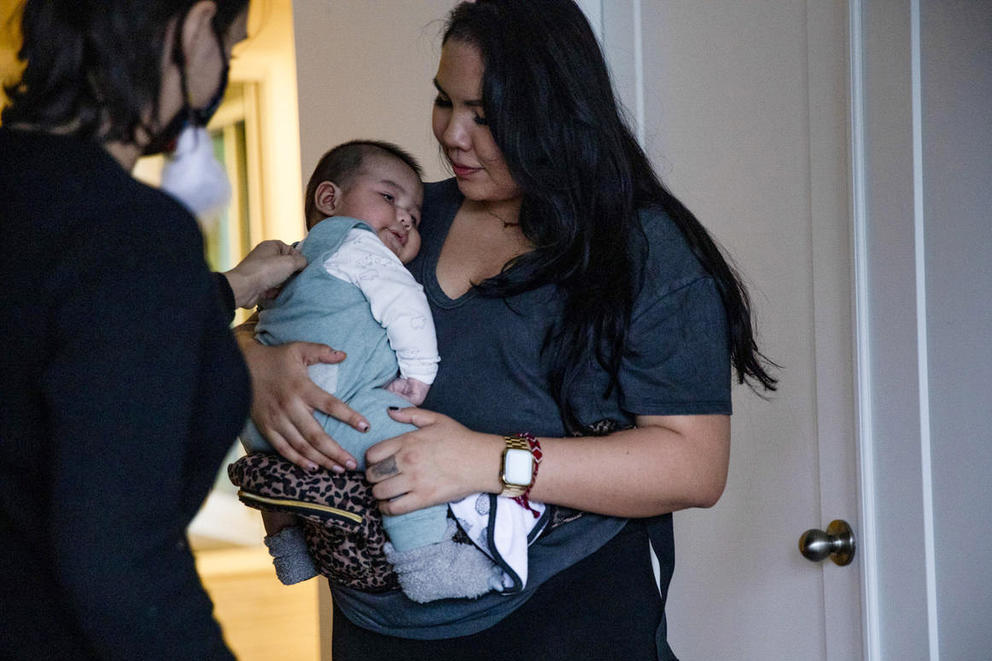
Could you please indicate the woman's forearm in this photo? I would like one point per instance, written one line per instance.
(663, 465)
(666, 463)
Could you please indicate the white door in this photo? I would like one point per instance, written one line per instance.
(744, 109)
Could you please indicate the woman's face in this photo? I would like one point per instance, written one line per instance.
(461, 129)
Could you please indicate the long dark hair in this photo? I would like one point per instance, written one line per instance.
(96, 67)
(550, 105)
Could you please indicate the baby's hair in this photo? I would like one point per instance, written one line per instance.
(342, 163)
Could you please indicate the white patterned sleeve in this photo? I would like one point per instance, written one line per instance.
(396, 299)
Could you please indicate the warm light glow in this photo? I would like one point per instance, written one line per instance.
(10, 43)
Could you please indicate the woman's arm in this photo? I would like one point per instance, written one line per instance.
(666, 463)
(284, 399)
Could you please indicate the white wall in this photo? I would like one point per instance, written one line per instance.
(956, 75)
(364, 71)
(927, 235)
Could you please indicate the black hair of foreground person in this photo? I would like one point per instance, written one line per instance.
(106, 74)
(552, 111)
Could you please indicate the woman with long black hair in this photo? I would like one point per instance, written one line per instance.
(588, 327)
(122, 386)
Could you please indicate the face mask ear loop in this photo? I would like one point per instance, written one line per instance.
(202, 116)
(179, 59)
(164, 140)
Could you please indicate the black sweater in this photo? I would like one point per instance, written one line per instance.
(121, 389)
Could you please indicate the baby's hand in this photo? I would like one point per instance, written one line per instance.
(411, 390)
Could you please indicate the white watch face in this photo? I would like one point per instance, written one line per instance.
(518, 467)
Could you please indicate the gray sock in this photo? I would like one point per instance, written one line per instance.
(443, 570)
(292, 560)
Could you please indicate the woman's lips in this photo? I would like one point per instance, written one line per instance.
(463, 170)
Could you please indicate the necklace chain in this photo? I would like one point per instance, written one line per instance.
(506, 224)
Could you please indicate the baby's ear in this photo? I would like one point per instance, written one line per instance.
(327, 197)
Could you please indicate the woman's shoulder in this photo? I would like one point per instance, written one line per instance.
(441, 202)
(440, 197)
(119, 225)
(96, 198)
(146, 221)
(667, 258)
(446, 188)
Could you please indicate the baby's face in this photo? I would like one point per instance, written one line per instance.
(387, 195)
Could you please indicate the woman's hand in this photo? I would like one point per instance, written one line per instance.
(262, 271)
(284, 399)
(440, 462)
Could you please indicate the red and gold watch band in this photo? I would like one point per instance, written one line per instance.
(534, 445)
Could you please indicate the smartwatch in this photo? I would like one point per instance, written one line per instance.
(517, 469)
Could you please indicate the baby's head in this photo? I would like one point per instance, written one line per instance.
(376, 182)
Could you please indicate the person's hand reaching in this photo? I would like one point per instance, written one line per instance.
(263, 271)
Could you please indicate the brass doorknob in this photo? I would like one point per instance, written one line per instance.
(837, 543)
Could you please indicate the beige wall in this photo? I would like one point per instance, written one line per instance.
(367, 74)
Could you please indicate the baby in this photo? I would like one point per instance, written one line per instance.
(362, 212)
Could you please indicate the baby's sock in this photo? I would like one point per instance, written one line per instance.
(444, 570)
(292, 560)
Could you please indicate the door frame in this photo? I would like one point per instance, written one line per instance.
(894, 444)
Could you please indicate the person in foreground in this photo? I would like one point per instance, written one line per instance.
(123, 388)
(577, 301)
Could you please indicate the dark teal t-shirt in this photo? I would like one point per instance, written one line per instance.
(492, 379)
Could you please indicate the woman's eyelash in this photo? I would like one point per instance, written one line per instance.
(442, 102)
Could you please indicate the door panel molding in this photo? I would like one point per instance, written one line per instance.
(862, 363)
(828, 107)
(890, 225)
(922, 351)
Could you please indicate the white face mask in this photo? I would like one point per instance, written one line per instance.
(195, 177)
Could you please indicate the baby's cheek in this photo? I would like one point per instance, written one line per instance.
(412, 246)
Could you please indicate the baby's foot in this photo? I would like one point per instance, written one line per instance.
(443, 570)
(290, 556)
